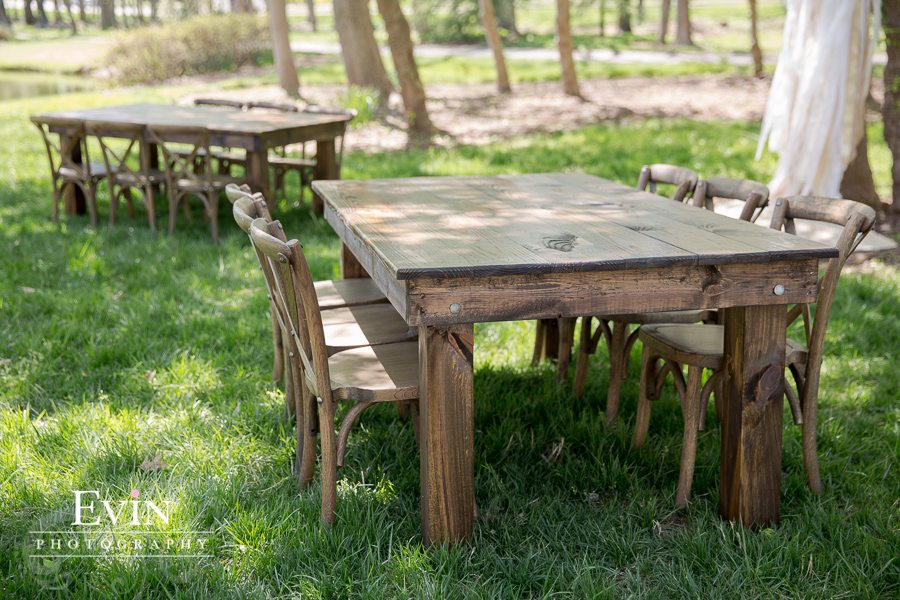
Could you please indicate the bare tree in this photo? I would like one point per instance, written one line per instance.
(683, 24)
(4, 18)
(281, 48)
(891, 107)
(411, 89)
(362, 58)
(489, 22)
(754, 41)
(42, 20)
(28, 15)
(665, 8)
(857, 182)
(624, 16)
(107, 14)
(72, 25)
(311, 14)
(602, 4)
(506, 15)
(564, 38)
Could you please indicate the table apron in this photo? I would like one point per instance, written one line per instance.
(442, 301)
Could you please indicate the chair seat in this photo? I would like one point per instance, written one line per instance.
(291, 162)
(228, 155)
(364, 325)
(98, 170)
(701, 345)
(347, 292)
(383, 373)
(216, 182)
(153, 176)
(672, 316)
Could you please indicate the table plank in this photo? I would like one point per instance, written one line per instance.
(544, 223)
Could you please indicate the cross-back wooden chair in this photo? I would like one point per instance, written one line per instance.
(616, 330)
(325, 373)
(70, 163)
(183, 148)
(330, 294)
(684, 179)
(129, 167)
(753, 194)
(225, 158)
(701, 346)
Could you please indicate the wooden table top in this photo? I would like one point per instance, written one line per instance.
(541, 223)
(256, 122)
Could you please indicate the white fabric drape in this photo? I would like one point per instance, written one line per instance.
(815, 111)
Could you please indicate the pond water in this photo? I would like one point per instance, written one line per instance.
(15, 85)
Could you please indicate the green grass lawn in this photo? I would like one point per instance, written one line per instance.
(118, 345)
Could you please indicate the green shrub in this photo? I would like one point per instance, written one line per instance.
(194, 46)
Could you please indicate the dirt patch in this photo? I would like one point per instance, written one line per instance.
(476, 114)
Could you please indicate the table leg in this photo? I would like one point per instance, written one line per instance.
(74, 202)
(546, 341)
(753, 390)
(326, 168)
(350, 267)
(258, 174)
(446, 413)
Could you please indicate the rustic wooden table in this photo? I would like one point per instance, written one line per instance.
(452, 251)
(254, 131)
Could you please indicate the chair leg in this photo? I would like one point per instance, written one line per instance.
(581, 362)
(289, 391)
(278, 361)
(540, 331)
(647, 388)
(57, 197)
(328, 462)
(307, 432)
(212, 210)
(808, 397)
(566, 335)
(616, 369)
(174, 201)
(150, 201)
(690, 412)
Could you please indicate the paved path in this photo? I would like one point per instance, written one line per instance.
(632, 57)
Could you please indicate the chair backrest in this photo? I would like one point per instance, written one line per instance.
(220, 102)
(246, 206)
(279, 106)
(61, 150)
(123, 159)
(195, 164)
(856, 220)
(684, 179)
(753, 194)
(297, 302)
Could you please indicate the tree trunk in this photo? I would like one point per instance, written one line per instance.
(311, 14)
(57, 13)
(107, 14)
(411, 89)
(506, 15)
(362, 59)
(281, 48)
(624, 16)
(857, 183)
(754, 41)
(665, 8)
(82, 12)
(72, 24)
(154, 11)
(891, 107)
(683, 25)
(602, 18)
(493, 38)
(42, 16)
(4, 18)
(29, 16)
(564, 38)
